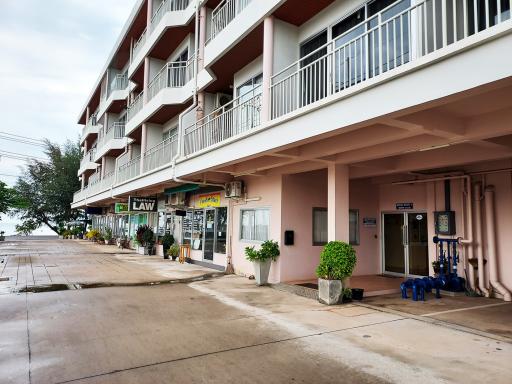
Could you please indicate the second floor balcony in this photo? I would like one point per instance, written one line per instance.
(91, 129)
(224, 14)
(111, 139)
(172, 75)
(87, 162)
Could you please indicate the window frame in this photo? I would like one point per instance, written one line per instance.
(357, 226)
(317, 243)
(242, 210)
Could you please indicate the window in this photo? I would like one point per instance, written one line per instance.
(170, 133)
(187, 228)
(254, 224)
(221, 230)
(198, 230)
(319, 226)
(353, 227)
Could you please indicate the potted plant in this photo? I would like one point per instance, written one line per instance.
(145, 240)
(173, 252)
(436, 266)
(337, 262)
(2, 236)
(108, 236)
(262, 260)
(167, 242)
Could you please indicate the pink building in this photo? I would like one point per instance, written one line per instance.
(381, 123)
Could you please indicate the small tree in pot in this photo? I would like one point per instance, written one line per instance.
(337, 262)
(173, 252)
(167, 242)
(262, 260)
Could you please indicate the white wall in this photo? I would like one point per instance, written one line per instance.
(286, 45)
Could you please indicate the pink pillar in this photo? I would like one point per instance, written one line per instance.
(103, 164)
(268, 66)
(143, 144)
(87, 114)
(202, 37)
(105, 123)
(200, 106)
(83, 182)
(149, 16)
(338, 202)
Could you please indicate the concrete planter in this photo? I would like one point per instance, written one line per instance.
(330, 292)
(159, 250)
(141, 250)
(261, 271)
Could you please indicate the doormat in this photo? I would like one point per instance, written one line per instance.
(309, 285)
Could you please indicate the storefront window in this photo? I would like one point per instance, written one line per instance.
(254, 224)
(353, 227)
(198, 230)
(221, 230)
(187, 228)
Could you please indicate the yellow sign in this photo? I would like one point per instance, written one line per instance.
(209, 200)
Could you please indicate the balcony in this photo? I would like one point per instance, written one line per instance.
(91, 128)
(233, 119)
(137, 46)
(167, 6)
(172, 75)
(161, 154)
(136, 106)
(224, 14)
(111, 139)
(128, 171)
(87, 162)
(399, 36)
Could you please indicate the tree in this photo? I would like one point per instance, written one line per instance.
(46, 188)
(8, 199)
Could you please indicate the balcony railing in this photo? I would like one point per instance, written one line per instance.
(172, 75)
(399, 34)
(161, 154)
(137, 46)
(232, 119)
(167, 6)
(108, 181)
(135, 106)
(88, 157)
(129, 170)
(118, 83)
(225, 13)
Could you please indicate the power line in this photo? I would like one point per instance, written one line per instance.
(23, 137)
(19, 156)
(22, 141)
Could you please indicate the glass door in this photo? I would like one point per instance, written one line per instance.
(405, 243)
(209, 234)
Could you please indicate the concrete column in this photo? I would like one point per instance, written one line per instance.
(143, 145)
(338, 202)
(105, 123)
(103, 164)
(200, 106)
(146, 81)
(149, 15)
(268, 66)
(87, 114)
(83, 182)
(202, 38)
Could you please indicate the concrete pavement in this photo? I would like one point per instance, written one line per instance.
(227, 330)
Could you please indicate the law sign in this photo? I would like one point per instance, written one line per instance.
(121, 208)
(142, 204)
(209, 200)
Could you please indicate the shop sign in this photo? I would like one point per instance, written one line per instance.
(404, 206)
(121, 208)
(142, 204)
(209, 200)
(369, 221)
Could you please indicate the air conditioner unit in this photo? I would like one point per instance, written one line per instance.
(234, 189)
(222, 99)
(177, 199)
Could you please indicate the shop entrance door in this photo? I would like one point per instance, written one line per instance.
(209, 234)
(405, 243)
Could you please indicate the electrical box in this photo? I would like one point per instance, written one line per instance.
(445, 223)
(289, 237)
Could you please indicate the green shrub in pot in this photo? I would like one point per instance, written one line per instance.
(262, 259)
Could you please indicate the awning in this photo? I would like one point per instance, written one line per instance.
(182, 188)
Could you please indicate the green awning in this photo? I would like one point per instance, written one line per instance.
(182, 188)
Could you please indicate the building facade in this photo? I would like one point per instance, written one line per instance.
(381, 123)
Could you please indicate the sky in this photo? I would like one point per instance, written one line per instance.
(52, 52)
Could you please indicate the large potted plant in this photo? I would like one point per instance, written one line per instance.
(173, 252)
(337, 262)
(167, 242)
(107, 235)
(146, 239)
(262, 260)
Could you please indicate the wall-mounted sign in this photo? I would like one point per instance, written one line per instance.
(404, 206)
(209, 200)
(142, 204)
(369, 221)
(121, 208)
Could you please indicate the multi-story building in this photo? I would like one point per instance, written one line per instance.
(362, 121)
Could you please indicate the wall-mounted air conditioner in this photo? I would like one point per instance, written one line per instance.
(177, 199)
(234, 189)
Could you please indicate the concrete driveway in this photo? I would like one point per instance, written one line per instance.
(226, 330)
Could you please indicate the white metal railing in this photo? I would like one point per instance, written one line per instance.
(135, 106)
(225, 13)
(118, 83)
(114, 131)
(172, 75)
(137, 46)
(399, 34)
(129, 170)
(236, 117)
(88, 157)
(108, 180)
(161, 154)
(92, 120)
(167, 6)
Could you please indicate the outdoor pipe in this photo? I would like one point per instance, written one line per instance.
(479, 244)
(491, 245)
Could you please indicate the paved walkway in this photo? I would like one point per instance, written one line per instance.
(31, 263)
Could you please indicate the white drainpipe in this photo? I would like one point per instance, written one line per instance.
(479, 239)
(491, 244)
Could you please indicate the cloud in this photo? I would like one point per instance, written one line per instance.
(52, 53)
